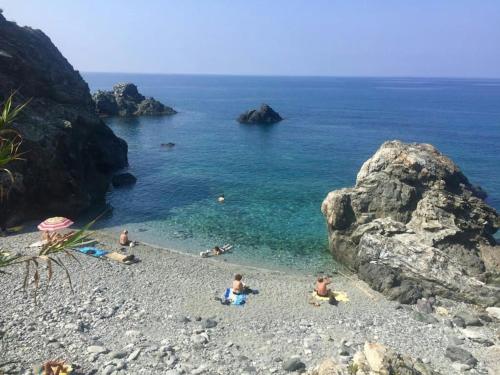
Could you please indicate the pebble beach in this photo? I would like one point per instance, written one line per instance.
(160, 316)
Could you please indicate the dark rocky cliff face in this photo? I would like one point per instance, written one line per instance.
(413, 226)
(70, 153)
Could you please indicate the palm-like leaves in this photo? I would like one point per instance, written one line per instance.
(49, 255)
(8, 260)
(9, 113)
(10, 140)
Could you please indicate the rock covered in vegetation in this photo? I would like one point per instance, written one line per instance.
(70, 154)
(264, 115)
(413, 225)
(125, 100)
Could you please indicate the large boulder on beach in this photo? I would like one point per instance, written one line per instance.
(69, 153)
(125, 100)
(264, 115)
(413, 226)
(375, 358)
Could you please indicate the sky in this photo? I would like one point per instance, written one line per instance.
(418, 38)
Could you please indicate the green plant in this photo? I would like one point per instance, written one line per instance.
(49, 256)
(352, 369)
(10, 139)
(8, 260)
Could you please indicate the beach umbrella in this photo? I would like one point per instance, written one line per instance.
(55, 223)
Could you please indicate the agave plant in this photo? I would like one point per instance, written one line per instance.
(8, 260)
(10, 139)
(50, 254)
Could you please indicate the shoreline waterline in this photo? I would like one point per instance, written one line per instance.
(230, 258)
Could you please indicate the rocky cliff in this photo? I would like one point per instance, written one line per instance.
(125, 100)
(70, 153)
(413, 226)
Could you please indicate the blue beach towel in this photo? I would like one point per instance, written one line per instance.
(234, 299)
(92, 251)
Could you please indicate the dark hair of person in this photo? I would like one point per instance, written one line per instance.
(238, 277)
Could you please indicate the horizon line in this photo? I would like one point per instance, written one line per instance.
(297, 75)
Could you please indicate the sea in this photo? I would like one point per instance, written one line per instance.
(274, 177)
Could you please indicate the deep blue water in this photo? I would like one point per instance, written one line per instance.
(275, 177)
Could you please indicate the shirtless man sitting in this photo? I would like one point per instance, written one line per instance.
(124, 241)
(238, 286)
(322, 286)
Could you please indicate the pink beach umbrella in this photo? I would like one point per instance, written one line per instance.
(55, 223)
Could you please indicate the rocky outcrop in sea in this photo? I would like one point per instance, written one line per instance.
(264, 115)
(70, 154)
(413, 226)
(125, 100)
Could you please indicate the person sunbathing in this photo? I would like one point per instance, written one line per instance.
(322, 286)
(124, 241)
(238, 286)
(52, 238)
(46, 236)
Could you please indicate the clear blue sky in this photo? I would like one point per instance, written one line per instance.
(458, 38)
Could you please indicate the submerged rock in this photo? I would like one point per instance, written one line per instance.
(123, 179)
(125, 100)
(414, 226)
(264, 115)
(70, 154)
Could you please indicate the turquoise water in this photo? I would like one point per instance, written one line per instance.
(275, 177)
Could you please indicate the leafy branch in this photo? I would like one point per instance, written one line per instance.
(10, 139)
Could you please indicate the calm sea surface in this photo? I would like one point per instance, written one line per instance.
(275, 177)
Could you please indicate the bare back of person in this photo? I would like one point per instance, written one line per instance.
(237, 286)
(322, 287)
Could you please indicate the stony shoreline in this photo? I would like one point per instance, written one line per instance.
(153, 317)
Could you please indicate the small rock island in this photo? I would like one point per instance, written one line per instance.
(125, 101)
(264, 115)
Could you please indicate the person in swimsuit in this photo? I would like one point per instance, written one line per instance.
(238, 286)
(124, 241)
(322, 286)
